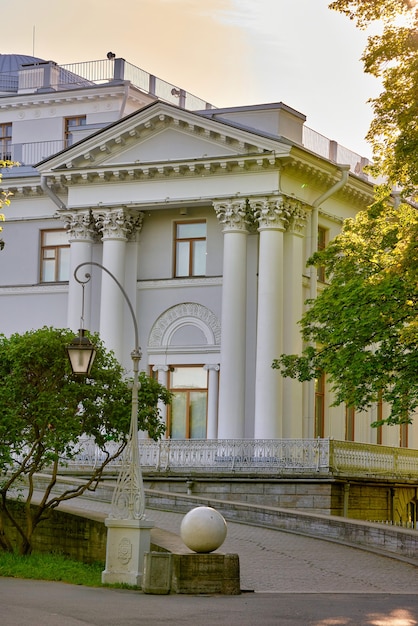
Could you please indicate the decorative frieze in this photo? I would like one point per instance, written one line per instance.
(191, 312)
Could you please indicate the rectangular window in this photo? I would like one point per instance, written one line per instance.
(320, 406)
(322, 242)
(55, 256)
(70, 124)
(190, 249)
(6, 142)
(187, 414)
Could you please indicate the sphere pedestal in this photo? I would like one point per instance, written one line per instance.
(203, 529)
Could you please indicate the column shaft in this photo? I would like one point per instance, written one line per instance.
(233, 334)
(115, 225)
(292, 313)
(268, 391)
(81, 236)
(213, 390)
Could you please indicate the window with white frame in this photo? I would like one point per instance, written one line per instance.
(6, 142)
(55, 256)
(187, 414)
(190, 248)
(71, 124)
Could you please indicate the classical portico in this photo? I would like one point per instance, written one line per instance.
(280, 221)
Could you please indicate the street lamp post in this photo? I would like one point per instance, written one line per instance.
(128, 535)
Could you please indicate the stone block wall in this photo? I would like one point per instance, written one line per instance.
(80, 538)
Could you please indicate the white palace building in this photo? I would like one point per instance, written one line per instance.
(206, 216)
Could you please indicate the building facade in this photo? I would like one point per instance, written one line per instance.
(206, 216)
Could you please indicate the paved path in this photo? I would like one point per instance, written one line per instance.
(297, 580)
(38, 603)
(277, 561)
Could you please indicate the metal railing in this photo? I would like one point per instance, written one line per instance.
(263, 456)
(50, 76)
(34, 152)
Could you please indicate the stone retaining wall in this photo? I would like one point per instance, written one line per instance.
(83, 535)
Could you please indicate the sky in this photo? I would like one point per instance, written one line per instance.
(228, 52)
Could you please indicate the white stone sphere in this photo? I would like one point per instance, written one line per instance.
(203, 529)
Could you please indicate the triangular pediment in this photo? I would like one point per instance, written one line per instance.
(158, 134)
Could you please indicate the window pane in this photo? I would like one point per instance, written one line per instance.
(191, 230)
(189, 378)
(55, 238)
(178, 416)
(64, 264)
(48, 271)
(182, 258)
(199, 258)
(198, 414)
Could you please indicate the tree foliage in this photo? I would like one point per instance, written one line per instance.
(392, 55)
(362, 329)
(45, 410)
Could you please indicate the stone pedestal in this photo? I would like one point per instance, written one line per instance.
(206, 573)
(127, 543)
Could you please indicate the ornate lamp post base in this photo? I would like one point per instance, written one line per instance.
(129, 533)
(127, 543)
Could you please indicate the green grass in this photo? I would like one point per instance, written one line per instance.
(51, 567)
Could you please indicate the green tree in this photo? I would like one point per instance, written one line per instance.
(392, 56)
(45, 410)
(362, 329)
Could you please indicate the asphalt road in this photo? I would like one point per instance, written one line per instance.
(38, 603)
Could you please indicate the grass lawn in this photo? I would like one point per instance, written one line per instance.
(51, 567)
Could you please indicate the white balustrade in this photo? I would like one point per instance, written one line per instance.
(264, 456)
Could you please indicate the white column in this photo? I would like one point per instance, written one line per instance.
(233, 216)
(292, 313)
(162, 374)
(213, 391)
(272, 216)
(115, 225)
(81, 235)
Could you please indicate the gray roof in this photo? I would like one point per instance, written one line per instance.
(10, 63)
(9, 67)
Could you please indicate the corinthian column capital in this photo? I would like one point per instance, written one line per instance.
(298, 216)
(118, 223)
(271, 213)
(79, 225)
(233, 214)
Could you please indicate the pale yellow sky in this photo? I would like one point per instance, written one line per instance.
(229, 52)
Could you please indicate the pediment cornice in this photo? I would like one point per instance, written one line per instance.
(111, 143)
